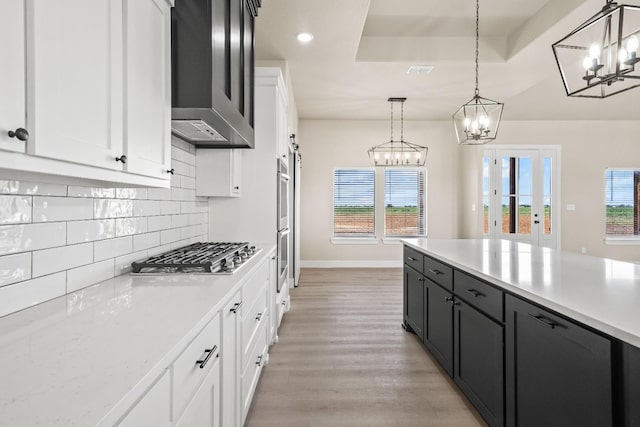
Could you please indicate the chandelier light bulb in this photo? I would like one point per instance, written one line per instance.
(594, 51)
(586, 63)
(623, 55)
(632, 44)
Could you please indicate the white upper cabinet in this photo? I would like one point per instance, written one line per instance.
(147, 84)
(12, 83)
(97, 80)
(75, 82)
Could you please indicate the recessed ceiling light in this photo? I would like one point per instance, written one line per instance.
(420, 69)
(304, 37)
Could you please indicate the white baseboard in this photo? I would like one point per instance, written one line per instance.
(351, 264)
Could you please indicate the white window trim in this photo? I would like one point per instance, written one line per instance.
(622, 241)
(355, 240)
(379, 210)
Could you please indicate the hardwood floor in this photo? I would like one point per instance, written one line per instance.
(344, 360)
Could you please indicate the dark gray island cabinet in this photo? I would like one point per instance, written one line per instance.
(518, 362)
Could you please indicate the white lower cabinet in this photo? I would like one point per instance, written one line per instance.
(153, 408)
(230, 361)
(191, 368)
(204, 408)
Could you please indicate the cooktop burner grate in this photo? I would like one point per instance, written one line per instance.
(201, 257)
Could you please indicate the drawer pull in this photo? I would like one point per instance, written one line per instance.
(420, 279)
(546, 322)
(410, 258)
(209, 352)
(236, 307)
(259, 361)
(449, 300)
(258, 316)
(435, 271)
(475, 293)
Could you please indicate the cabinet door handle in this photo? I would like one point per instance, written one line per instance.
(475, 293)
(435, 271)
(122, 159)
(420, 279)
(449, 299)
(21, 133)
(258, 316)
(172, 171)
(236, 307)
(236, 188)
(411, 258)
(259, 361)
(546, 322)
(209, 352)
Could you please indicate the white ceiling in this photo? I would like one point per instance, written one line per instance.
(363, 48)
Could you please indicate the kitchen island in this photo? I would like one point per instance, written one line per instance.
(532, 336)
(92, 357)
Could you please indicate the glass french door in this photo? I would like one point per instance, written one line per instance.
(520, 192)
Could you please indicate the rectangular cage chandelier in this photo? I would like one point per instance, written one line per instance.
(599, 58)
(394, 152)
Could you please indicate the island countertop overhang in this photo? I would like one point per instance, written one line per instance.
(601, 293)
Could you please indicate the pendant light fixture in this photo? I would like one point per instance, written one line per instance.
(398, 153)
(598, 59)
(477, 121)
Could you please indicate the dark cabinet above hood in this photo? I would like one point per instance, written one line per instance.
(213, 67)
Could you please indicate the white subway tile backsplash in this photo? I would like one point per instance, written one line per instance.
(81, 277)
(181, 220)
(63, 258)
(159, 249)
(169, 207)
(15, 209)
(15, 268)
(170, 236)
(161, 222)
(112, 208)
(146, 241)
(75, 191)
(47, 209)
(31, 292)
(123, 263)
(131, 193)
(56, 239)
(159, 194)
(31, 237)
(188, 182)
(32, 188)
(129, 226)
(188, 207)
(88, 231)
(146, 207)
(112, 248)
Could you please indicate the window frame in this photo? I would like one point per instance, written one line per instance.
(379, 209)
(612, 239)
(391, 237)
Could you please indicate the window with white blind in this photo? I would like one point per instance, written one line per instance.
(354, 203)
(396, 196)
(622, 203)
(404, 201)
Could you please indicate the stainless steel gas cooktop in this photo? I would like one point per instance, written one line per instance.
(198, 258)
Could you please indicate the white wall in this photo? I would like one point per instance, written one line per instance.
(56, 239)
(327, 144)
(587, 149)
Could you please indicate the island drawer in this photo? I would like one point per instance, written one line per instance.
(440, 273)
(478, 294)
(413, 258)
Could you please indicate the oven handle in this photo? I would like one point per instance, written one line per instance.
(284, 176)
(283, 232)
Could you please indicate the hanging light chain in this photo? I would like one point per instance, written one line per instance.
(391, 139)
(477, 42)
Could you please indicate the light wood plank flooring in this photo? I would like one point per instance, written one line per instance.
(344, 360)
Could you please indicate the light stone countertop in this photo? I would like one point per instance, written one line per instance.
(598, 292)
(83, 359)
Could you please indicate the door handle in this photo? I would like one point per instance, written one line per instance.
(475, 293)
(546, 322)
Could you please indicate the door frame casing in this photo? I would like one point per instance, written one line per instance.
(555, 152)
